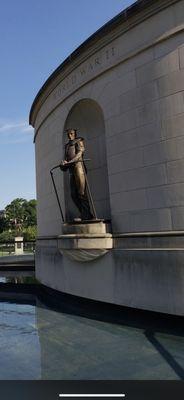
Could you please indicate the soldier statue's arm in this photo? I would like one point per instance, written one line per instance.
(63, 162)
(79, 152)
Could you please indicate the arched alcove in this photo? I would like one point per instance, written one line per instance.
(87, 117)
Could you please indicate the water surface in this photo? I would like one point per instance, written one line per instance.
(38, 342)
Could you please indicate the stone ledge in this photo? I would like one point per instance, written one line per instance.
(85, 236)
(148, 234)
(85, 242)
(173, 240)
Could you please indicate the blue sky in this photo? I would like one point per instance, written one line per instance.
(35, 37)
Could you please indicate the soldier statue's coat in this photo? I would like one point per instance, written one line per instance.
(74, 150)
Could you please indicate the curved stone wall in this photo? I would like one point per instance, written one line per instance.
(137, 81)
(124, 90)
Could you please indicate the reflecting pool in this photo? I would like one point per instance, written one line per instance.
(40, 342)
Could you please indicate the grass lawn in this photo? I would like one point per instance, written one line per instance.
(6, 253)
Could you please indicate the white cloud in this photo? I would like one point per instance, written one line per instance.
(28, 128)
(15, 127)
(12, 132)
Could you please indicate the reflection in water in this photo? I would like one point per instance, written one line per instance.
(18, 279)
(37, 342)
(73, 347)
(172, 360)
(19, 342)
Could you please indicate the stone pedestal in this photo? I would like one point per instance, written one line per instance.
(87, 228)
(85, 241)
(19, 245)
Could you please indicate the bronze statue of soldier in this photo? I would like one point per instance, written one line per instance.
(73, 161)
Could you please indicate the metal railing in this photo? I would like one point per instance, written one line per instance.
(8, 248)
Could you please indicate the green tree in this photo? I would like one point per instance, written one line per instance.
(7, 236)
(30, 213)
(29, 233)
(3, 224)
(21, 213)
(15, 212)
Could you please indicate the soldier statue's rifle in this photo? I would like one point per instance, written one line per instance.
(56, 193)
